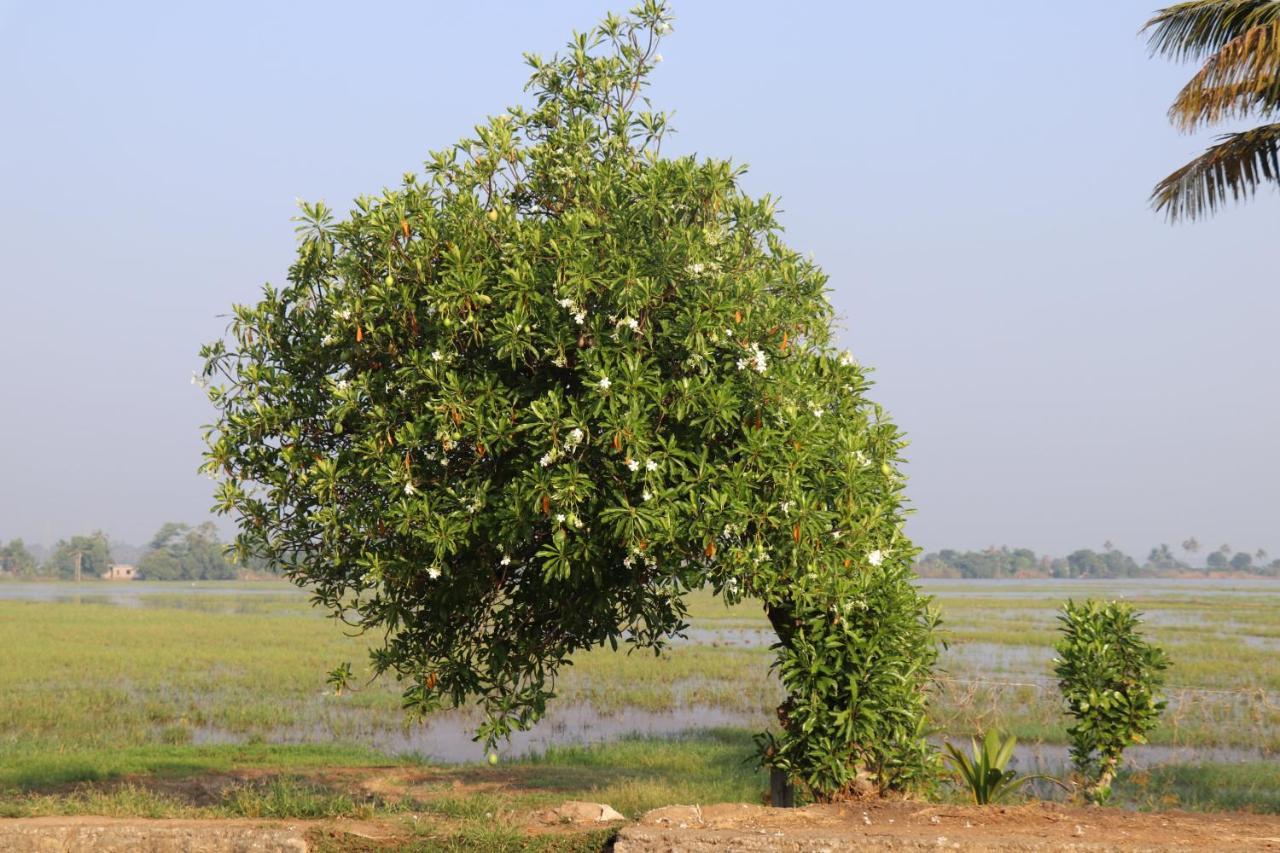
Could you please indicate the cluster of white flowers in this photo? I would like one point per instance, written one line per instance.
(695, 269)
(846, 358)
(785, 506)
(861, 458)
(633, 464)
(436, 355)
(559, 360)
(574, 438)
(344, 314)
(604, 383)
(328, 340)
(646, 495)
(630, 322)
(817, 410)
(342, 384)
(433, 572)
(731, 586)
(409, 489)
(549, 458)
(875, 558)
(836, 534)
(757, 361)
(579, 314)
(505, 561)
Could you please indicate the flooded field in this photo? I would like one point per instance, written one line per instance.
(132, 665)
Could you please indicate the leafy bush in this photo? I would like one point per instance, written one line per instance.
(1109, 676)
(517, 407)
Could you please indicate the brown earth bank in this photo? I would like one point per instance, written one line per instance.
(886, 825)
(865, 826)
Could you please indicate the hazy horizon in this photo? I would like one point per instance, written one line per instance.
(1069, 368)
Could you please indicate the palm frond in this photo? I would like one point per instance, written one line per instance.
(1232, 169)
(1242, 77)
(1199, 28)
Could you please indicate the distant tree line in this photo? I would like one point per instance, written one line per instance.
(176, 552)
(1110, 562)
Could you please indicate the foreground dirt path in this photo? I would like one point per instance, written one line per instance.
(875, 826)
(136, 835)
(879, 825)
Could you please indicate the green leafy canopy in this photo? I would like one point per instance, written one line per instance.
(518, 405)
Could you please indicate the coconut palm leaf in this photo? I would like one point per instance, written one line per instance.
(1242, 77)
(1199, 28)
(1231, 169)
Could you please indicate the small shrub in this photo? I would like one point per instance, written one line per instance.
(985, 775)
(1109, 675)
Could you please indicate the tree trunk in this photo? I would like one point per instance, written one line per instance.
(782, 794)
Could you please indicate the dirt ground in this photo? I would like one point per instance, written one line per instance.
(866, 825)
(884, 825)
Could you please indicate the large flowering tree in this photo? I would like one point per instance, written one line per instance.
(518, 406)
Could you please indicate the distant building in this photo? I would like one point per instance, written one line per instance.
(120, 572)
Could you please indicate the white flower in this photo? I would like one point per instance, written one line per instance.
(559, 518)
(731, 586)
(604, 383)
(861, 458)
(875, 558)
(785, 506)
(566, 303)
(836, 534)
(344, 314)
(742, 364)
(759, 361)
(505, 561)
(694, 269)
(657, 57)
(547, 459)
(575, 437)
(580, 317)
(846, 358)
(436, 355)
(342, 384)
(817, 411)
(628, 560)
(409, 489)
(433, 573)
(646, 495)
(633, 465)
(650, 465)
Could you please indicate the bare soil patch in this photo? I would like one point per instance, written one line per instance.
(889, 825)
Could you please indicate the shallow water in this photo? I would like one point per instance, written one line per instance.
(447, 736)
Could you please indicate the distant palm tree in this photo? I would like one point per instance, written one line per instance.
(1239, 43)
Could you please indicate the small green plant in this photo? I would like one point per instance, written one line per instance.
(1109, 676)
(985, 774)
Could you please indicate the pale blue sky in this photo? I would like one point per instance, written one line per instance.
(972, 176)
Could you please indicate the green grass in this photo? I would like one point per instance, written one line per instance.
(187, 684)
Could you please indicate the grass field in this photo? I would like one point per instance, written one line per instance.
(106, 685)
